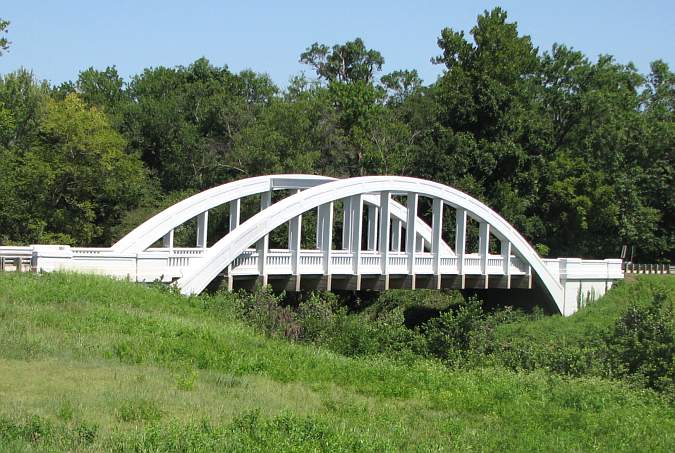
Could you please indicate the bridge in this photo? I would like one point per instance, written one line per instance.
(369, 235)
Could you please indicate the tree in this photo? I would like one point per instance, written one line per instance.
(4, 44)
(24, 99)
(481, 118)
(75, 181)
(349, 70)
(401, 84)
(348, 62)
(183, 120)
(103, 89)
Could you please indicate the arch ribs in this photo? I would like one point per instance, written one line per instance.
(415, 259)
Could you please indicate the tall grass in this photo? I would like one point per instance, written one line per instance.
(88, 363)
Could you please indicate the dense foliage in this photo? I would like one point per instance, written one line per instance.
(635, 343)
(577, 154)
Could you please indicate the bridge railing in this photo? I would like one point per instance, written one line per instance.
(16, 259)
(278, 261)
(633, 268)
(167, 264)
(371, 262)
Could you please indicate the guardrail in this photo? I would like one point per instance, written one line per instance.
(633, 268)
(15, 263)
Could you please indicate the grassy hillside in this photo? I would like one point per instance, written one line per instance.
(596, 317)
(88, 363)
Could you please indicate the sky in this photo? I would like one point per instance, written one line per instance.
(58, 39)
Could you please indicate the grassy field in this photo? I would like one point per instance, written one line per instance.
(88, 363)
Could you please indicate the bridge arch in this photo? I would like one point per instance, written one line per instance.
(160, 225)
(225, 251)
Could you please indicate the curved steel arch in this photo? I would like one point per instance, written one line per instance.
(157, 226)
(221, 254)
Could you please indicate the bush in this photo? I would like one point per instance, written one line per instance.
(418, 306)
(451, 335)
(317, 316)
(527, 354)
(641, 345)
(323, 320)
(263, 311)
(638, 348)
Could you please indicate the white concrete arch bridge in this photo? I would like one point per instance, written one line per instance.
(384, 243)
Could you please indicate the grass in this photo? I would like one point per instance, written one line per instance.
(596, 317)
(89, 363)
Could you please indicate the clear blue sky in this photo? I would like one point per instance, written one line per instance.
(57, 39)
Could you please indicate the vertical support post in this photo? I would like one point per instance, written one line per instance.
(372, 227)
(202, 229)
(356, 205)
(484, 248)
(235, 217)
(385, 199)
(167, 240)
(419, 244)
(235, 213)
(346, 223)
(436, 229)
(294, 229)
(396, 229)
(294, 235)
(460, 240)
(506, 258)
(326, 225)
(319, 230)
(411, 230)
(262, 246)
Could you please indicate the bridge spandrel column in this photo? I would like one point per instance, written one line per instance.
(326, 225)
(262, 246)
(372, 227)
(319, 230)
(419, 244)
(385, 222)
(167, 240)
(235, 217)
(356, 205)
(396, 230)
(460, 239)
(484, 246)
(436, 230)
(506, 261)
(202, 229)
(484, 249)
(411, 231)
(235, 213)
(346, 223)
(294, 241)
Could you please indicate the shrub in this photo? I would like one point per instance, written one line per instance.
(317, 316)
(418, 306)
(263, 311)
(450, 335)
(641, 345)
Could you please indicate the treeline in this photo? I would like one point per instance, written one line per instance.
(577, 154)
